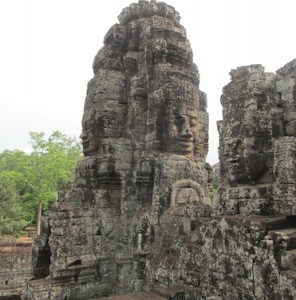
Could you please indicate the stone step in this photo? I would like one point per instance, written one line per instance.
(172, 291)
(160, 293)
(287, 235)
(288, 260)
(11, 297)
(40, 282)
(136, 296)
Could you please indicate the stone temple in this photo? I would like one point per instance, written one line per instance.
(139, 216)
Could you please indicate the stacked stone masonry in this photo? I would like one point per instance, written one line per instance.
(15, 266)
(139, 216)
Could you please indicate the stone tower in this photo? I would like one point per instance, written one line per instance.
(257, 141)
(145, 140)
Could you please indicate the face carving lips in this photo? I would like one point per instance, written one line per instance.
(85, 143)
(185, 141)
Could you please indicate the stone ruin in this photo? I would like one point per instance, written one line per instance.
(139, 216)
(257, 142)
(15, 266)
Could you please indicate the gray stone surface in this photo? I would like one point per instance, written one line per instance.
(139, 219)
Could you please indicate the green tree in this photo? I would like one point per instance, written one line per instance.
(14, 167)
(12, 219)
(216, 176)
(215, 179)
(53, 162)
(38, 176)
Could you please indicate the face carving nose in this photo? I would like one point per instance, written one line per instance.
(83, 135)
(186, 131)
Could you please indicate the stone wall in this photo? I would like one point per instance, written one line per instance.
(15, 266)
(226, 257)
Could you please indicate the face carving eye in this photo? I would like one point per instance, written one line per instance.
(179, 119)
(193, 121)
(174, 127)
(85, 128)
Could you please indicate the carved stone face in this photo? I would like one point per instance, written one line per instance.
(247, 127)
(247, 160)
(96, 127)
(237, 171)
(181, 131)
(91, 135)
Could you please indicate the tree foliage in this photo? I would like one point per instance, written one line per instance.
(216, 175)
(215, 180)
(12, 218)
(35, 178)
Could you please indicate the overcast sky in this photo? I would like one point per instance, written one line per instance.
(47, 49)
